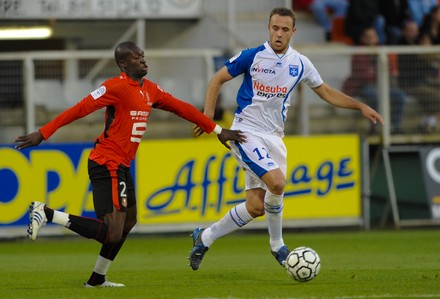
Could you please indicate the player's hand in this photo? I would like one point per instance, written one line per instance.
(33, 139)
(233, 135)
(372, 115)
(197, 131)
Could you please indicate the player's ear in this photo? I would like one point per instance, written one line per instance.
(122, 64)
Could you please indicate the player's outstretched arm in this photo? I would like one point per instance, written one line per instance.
(32, 139)
(212, 94)
(234, 135)
(339, 99)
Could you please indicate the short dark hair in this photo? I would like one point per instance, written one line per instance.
(285, 12)
(122, 49)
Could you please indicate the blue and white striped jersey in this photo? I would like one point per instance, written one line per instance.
(264, 96)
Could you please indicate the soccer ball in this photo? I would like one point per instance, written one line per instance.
(303, 264)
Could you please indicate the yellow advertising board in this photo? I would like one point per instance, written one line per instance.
(55, 174)
(184, 181)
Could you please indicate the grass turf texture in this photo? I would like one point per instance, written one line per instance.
(385, 264)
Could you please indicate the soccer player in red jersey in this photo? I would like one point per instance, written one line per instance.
(128, 99)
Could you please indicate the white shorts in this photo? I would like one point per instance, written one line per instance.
(258, 155)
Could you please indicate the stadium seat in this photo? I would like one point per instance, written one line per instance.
(338, 31)
(302, 5)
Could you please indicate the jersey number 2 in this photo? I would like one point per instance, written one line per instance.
(124, 189)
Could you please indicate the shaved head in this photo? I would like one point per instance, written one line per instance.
(131, 60)
(123, 49)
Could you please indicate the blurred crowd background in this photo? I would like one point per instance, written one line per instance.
(383, 52)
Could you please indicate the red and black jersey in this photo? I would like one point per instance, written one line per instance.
(128, 106)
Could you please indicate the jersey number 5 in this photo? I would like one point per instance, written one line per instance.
(138, 131)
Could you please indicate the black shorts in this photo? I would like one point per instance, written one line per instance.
(112, 189)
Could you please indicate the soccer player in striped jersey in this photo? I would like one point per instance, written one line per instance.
(270, 72)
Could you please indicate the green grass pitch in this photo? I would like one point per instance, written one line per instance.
(355, 265)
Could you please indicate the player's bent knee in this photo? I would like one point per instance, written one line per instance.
(277, 187)
(275, 181)
(256, 211)
(114, 237)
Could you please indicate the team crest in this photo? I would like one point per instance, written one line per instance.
(293, 70)
(124, 202)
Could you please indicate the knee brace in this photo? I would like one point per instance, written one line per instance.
(273, 203)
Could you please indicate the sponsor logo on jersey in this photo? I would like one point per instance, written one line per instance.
(293, 70)
(256, 68)
(267, 91)
(97, 93)
(268, 88)
(139, 115)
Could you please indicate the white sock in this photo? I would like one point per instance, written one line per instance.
(236, 218)
(274, 216)
(60, 218)
(102, 265)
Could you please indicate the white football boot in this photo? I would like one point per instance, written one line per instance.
(106, 284)
(37, 219)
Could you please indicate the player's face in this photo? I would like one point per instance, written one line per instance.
(281, 31)
(135, 64)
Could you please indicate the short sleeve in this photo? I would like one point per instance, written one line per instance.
(241, 62)
(311, 75)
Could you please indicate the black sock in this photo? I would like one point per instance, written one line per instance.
(89, 228)
(109, 251)
(49, 213)
(96, 279)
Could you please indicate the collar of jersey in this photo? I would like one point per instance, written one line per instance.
(123, 75)
(267, 45)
